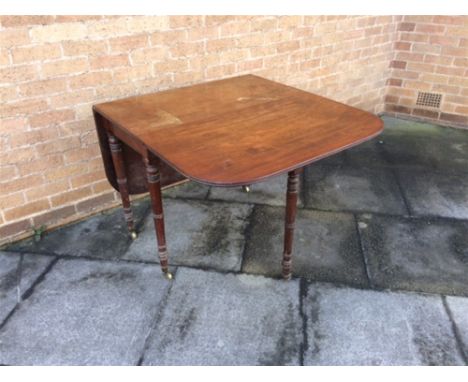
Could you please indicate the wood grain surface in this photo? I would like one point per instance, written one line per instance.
(238, 130)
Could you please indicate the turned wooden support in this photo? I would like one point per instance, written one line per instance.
(153, 178)
(291, 208)
(117, 159)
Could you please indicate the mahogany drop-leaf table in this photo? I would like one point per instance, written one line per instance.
(231, 132)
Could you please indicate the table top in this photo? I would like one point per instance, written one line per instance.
(239, 130)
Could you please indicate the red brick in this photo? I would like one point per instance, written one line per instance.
(41, 164)
(16, 74)
(17, 155)
(220, 44)
(218, 20)
(12, 229)
(8, 171)
(128, 43)
(50, 188)
(73, 98)
(11, 200)
(29, 137)
(426, 113)
(250, 65)
(71, 19)
(373, 31)
(53, 216)
(102, 62)
(14, 37)
(394, 82)
(70, 196)
(462, 119)
(58, 145)
(398, 64)
(43, 87)
(288, 46)
(18, 21)
(405, 74)
(23, 107)
(24, 210)
(437, 59)
(391, 99)
(414, 37)
(428, 28)
(454, 51)
(461, 62)
(84, 47)
(96, 202)
(172, 36)
(443, 40)
(402, 45)
(64, 67)
(408, 27)
(462, 110)
(91, 79)
(51, 117)
(443, 88)
(185, 21)
(451, 71)
(64, 172)
(410, 56)
(101, 186)
(398, 109)
(88, 178)
(453, 20)
(82, 154)
(35, 53)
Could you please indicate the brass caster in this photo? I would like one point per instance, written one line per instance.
(246, 188)
(133, 235)
(168, 275)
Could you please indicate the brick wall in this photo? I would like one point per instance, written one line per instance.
(54, 68)
(431, 55)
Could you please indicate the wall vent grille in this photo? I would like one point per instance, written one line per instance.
(429, 99)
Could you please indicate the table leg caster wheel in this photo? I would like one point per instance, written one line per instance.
(133, 235)
(168, 275)
(246, 188)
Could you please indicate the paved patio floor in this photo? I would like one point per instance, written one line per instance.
(380, 265)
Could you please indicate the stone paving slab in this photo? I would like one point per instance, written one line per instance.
(367, 154)
(271, 191)
(416, 254)
(458, 307)
(337, 159)
(18, 272)
(352, 189)
(85, 313)
(325, 246)
(356, 327)
(436, 194)
(425, 153)
(198, 234)
(102, 236)
(216, 319)
(410, 144)
(413, 144)
(189, 190)
(398, 126)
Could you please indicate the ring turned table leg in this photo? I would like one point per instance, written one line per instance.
(291, 208)
(154, 187)
(117, 159)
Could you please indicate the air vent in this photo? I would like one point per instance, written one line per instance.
(429, 99)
